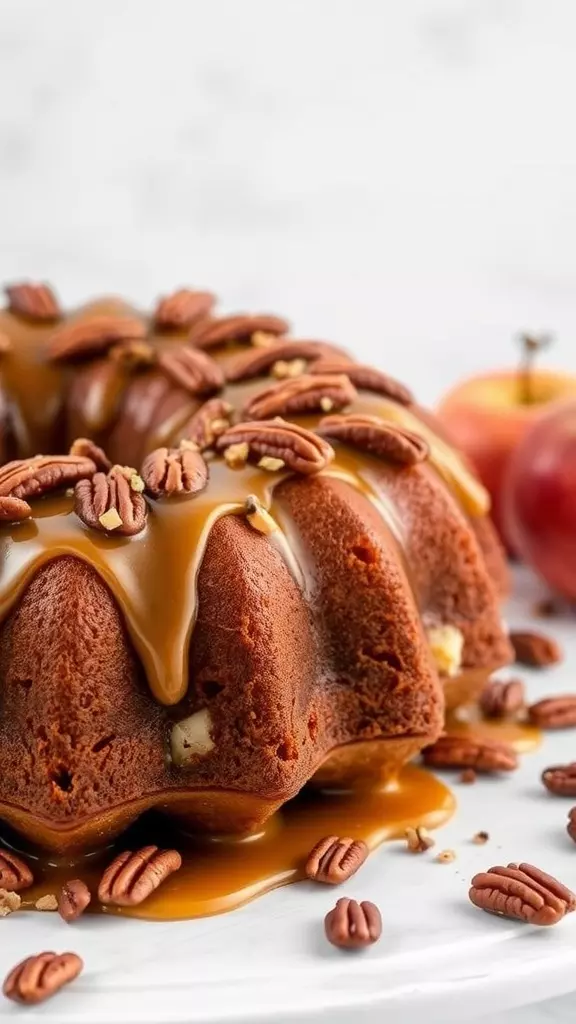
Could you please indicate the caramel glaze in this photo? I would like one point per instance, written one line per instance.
(220, 874)
(516, 733)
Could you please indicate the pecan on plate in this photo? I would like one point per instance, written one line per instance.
(208, 332)
(300, 395)
(14, 872)
(32, 478)
(73, 899)
(499, 699)
(463, 752)
(132, 877)
(554, 712)
(191, 369)
(112, 502)
(352, 925)
(182, 308)
(41, 976)
(334, 860)
(298, 449)
(258, 363)
(535, 650)
(170, 471)
(571, 826)
(377, 437)
(366, 378)
(208, 423)
(560, 779)
(86, 449)
(523, 892)
(94, 334)
(14, 510)
(34, 301)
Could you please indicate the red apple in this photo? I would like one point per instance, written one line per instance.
(539, 497)
(488, 415)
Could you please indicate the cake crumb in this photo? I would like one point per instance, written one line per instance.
(446, 856)
(480, 838)
(48, 902)
(236, 455)
(271, 464)
(9, 902)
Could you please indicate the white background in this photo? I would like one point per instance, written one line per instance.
(396, 175)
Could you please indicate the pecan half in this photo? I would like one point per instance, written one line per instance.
(169, 471)
(208, 423)
(554, 712)
(31, 478)
(251, 364)
(367, 378)
(334, 860)
(560, 779)
(73, 899)
(571, 826)
(462, 752)
(209, 332)
(14, 510)
(41, 976)
(132, 877)
(535, 650)
(300, 450)
(32, 300)
(14, 872)
(352, 925)
(301, 394)
(499, 699)
(182, 308)
(192, 370)
(95, 334)
(523, 892)
(84, 448)
(112, 502)
(376, 436)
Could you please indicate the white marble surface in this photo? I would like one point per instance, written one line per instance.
(399, 177)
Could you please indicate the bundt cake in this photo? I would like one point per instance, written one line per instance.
(259, 565)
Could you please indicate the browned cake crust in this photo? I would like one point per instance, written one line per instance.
(209, 647)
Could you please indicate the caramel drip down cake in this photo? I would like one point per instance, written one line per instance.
(234, 563)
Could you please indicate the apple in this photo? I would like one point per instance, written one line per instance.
(539, 497)
(488, 415)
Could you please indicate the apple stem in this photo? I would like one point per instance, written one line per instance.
(531, 344)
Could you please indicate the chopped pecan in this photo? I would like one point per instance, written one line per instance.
(523, 892)
(94, 334)
(376, 436)
(535, 650)
(192, 370)
(169, 471)
(208, 332)
(446, 856)
(47, 902)
(31, 478)
(418, 840)
(468, 777)
(41, 976)
(259, 517)
(14, 872)
(73, 899)
(208, 423)
(132, 877)
(133, 355)
(300, 450)
(111, 503)
(352, 925)
(463, 752)
(14, 510)
(182, 308)
(499, 698)
(9, 902)
(35, 301)
(86, 449)
(366, 378)
(481, 838)
(5, 343)
(554, 712)
(560, 779)
(334, 860)
(571, 826)
(300, 395)
(252, 364)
